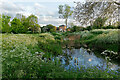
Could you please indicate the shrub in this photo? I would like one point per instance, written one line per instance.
(51, 47)
(22, 58)
(110, 38)
(97, 32)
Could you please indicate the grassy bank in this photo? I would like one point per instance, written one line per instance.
(106, 39)
(28, 56)
(100, 40)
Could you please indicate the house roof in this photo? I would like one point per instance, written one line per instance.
(62, 26)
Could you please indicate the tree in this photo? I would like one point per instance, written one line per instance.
(5, 23)
(25, 23)
(99, 23)
(0, 23)
(32, 21)
(44, 29)
(77, 28)
(37, 28)
(65, 11)
(71, 24)
(49, 28)
(92, 9)
(16, 26)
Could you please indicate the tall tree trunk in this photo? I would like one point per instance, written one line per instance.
(66, 22)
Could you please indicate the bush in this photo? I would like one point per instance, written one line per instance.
(22, 58)
(51, 47)
(88, 28)
(77, 29)
(97, 32)
(57, 37)
(110, 38)
(110, 27)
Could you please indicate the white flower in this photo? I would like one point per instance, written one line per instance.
(106, 58)
(36, 52)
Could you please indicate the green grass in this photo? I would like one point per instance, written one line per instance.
(22, 57)
(100, 39)
(100, 36)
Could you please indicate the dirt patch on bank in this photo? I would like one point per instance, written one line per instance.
(70, 41)
(73, 37)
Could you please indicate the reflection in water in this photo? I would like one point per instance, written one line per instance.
(89, 59)
(82, 57)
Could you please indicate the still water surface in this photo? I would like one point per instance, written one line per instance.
(77, 58)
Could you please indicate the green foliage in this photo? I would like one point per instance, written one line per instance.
(110, 27)
(33, 20)
(5, 23)
(96, 32)
(37, 28)
(0, 23)
(57, 36)
(110, 38)
(101, 38)
(65, 11)
(51, 47)
(20, 24)
(77, 29)
(99, 23)
(22, 58)
(25, 24)
(16, 26)
(88, 28)
(49, 28)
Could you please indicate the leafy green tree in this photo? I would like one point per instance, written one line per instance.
(37, 28)
(16, 26)
(0, 23)
(5, 23)
(65, 12)
(77, 29)
(86, 13)
(99, 23)
(32, 21)
(25, 23)
(49, 28)
(74, 29)
(44, 29)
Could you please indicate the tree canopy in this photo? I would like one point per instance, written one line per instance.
(5, 23)
(20, 24)
(87, 13)
(65, 11)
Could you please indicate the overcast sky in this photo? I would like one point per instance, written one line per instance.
(45, 10)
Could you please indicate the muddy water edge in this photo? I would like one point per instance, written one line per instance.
(72, 42)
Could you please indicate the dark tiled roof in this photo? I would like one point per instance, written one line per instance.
(62, 26)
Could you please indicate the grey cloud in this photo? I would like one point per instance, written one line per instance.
(7, 6)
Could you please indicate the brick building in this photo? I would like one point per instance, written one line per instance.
(62, 28)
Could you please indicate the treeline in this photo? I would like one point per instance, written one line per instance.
(99, 23)
(48, 28)
(20, 24)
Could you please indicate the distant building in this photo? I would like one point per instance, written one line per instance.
(62, 28)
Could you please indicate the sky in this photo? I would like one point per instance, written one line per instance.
(45, 10)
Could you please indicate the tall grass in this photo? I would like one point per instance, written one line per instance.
(100, 36)
(22, 58)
